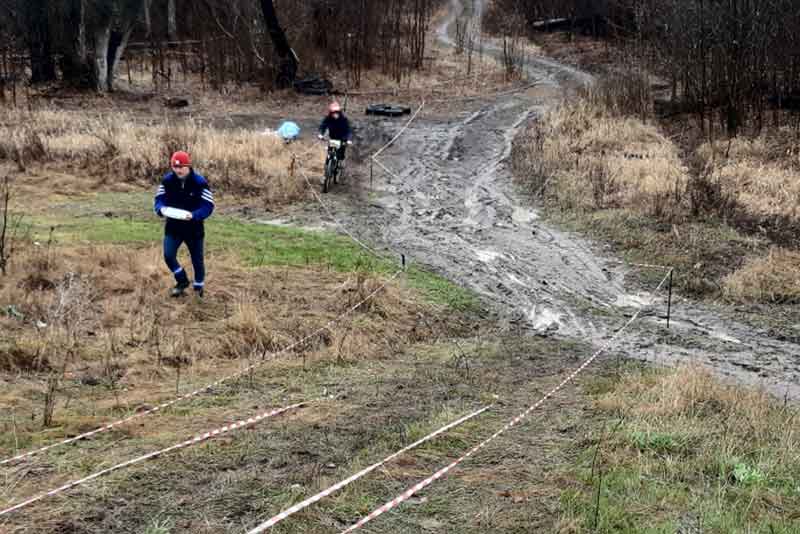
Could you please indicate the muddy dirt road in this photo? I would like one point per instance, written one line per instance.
(451, 205)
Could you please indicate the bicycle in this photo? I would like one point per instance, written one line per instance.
(333, 165)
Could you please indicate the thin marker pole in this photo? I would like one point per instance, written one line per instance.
(669, 298)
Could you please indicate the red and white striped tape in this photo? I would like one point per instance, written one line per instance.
(336, 487)
(193, 441)
(333, 218)
(643, 265)
(442, 472)
(402, 130)
(395, 90)
(488, 95)
(387, 170)
(205, 388)
(374, 157)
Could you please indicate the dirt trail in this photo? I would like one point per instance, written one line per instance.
(452, 206)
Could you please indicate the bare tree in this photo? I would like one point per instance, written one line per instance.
(75, 65)
(113, 24)
(9, 227)
(728, 62)
(172, 21)
(239, 41)
(287, 71)
(38, 35)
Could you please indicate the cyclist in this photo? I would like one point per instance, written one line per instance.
(338, 128)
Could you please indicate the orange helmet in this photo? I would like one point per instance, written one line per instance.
(334, 107)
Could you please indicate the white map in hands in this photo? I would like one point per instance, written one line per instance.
(175, 213)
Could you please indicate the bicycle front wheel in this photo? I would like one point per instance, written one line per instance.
(329, 173)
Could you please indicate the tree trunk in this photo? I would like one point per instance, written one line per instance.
(172, 21)
(117, 45)
(148, 21)
(110, 44)
(75, 61)
(102, 40)
(288, 66)
(39, 40)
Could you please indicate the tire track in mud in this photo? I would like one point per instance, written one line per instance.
(452, 206)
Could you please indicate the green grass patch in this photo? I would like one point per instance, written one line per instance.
(658, 442)
(258, 245)
(683, 452)
(442, 291)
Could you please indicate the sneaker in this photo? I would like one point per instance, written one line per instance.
(178, 290)
(198, 292)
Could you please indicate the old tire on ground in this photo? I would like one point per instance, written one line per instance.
(387, 110)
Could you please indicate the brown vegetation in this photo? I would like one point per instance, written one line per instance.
(731, 65)
(772, 278)
(99, 314)
(238, 162)
(592, 156)
(761, 175)
(683, 450)
(712, 86)
(586, 157)
(240, 42)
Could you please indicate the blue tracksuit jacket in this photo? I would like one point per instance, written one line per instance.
(192, 194)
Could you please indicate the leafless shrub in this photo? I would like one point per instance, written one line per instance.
(731, 65)
(22, 145)
(236, 161)
(622, 93)
(225, 43)
(513, 57)
(9, 227)
(50, 401)
(461, 35)
(70, 307)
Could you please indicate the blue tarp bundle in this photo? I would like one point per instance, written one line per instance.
(289, 131)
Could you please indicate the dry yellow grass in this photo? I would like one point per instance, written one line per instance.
(237, 161)
(587, 156)
(762, 177)
(434, 85)
(444, 75)
(685, 391)
(589, 159)
(99, 314)
(773, 278)
(761, 174)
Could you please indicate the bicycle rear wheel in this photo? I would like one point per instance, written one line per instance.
(337, 168)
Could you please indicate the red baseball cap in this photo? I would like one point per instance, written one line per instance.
(180, 159)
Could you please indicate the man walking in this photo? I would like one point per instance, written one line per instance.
(185, 198)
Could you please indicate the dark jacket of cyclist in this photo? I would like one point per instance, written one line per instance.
(337, 126)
